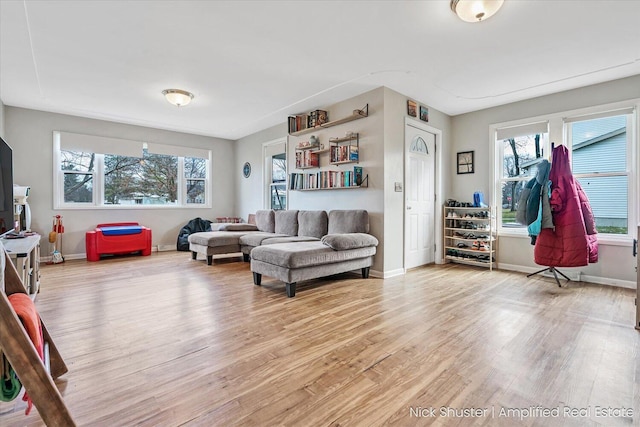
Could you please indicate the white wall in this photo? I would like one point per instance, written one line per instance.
(381, 157)
(395, 106)
(471, 132)
(30, 136)
(2, 121)
(249, 149)
(371, 159)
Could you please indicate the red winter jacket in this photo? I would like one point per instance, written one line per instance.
(573, 243)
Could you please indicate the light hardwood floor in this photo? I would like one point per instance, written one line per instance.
(164, 340)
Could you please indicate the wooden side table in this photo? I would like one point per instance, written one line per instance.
(25, 254)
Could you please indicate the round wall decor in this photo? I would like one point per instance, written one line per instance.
(246, 170)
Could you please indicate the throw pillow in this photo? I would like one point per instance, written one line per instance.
(344, 241)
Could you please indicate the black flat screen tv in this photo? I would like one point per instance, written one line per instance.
(6, 188)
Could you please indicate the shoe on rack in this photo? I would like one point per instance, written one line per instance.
(462, 245)
(455, 215)
(476, 245)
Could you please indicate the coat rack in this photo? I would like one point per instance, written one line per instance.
(24, 359)
(553, 271)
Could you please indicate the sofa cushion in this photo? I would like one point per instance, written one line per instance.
(216, 238)
(348, 221)
(265, 220)
(287, 222)
(306, 254)
(341, 242)
(288, 239)
(312, 223)
(239, 227)
(255, 239)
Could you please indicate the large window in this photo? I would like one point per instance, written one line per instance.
(101, 172)
(603, 159)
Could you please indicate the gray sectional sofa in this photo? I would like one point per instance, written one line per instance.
(294, 245)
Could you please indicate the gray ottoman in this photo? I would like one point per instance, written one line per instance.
(211, 243)
(292, 262)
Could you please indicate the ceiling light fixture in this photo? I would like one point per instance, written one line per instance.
(475, 10)
(178, 97)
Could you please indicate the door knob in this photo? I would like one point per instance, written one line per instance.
(408, 208)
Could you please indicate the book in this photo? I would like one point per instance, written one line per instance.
(317, 118)
(353, 153)
(357, 175)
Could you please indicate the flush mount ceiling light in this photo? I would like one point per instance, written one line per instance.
(178, 97)
(475, 10)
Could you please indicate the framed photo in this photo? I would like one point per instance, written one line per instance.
(412, 108)
(424, 114)
(465, 162)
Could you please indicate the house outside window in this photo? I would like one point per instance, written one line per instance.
(599, 159)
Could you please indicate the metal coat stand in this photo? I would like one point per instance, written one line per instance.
(553, 271)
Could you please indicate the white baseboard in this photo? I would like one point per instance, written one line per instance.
(575, 275)
(45, 259)
(387, 274)
(159, 248)
(611, 282)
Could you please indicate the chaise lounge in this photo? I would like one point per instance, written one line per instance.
(347, 246)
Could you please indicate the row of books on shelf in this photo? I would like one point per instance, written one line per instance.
(307, 159)
(326, 179)
(307, 120)
(344, 153)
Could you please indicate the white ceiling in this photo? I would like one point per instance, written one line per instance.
(252, 63)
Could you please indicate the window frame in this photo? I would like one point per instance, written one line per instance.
(557, 129)
(99, 181)
(497, 153)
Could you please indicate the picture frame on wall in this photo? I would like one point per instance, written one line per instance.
(424, 113)
(465, 162)
(412, 108)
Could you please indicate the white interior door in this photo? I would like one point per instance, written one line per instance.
(420, 148)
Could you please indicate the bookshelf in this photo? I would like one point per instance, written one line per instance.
(333, 159)
(298, 127)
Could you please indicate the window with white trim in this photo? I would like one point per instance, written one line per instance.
(520, 149)
(601, 149)
(601, 142)
(91, 171)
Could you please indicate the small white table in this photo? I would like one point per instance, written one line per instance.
(25, 254)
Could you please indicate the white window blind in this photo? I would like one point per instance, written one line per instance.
(100, 144)
(522, 130)
(176, 150)
(618, 112)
